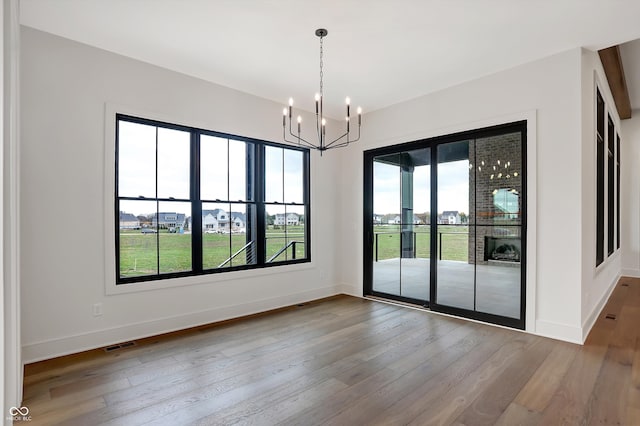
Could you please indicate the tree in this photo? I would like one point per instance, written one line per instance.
(463, 217)
(145, 219)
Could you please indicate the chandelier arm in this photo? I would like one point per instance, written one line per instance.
(340, 145)
(345, 143)
(332, 143)
(296, 138)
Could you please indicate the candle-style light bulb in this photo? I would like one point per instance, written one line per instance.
(290, 101)
(317, 101)
(347, 124)
(299, 121)
(284, 117)
(348, 100)
(359, 116)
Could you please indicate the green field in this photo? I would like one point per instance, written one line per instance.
(455, 242)
(139, 252)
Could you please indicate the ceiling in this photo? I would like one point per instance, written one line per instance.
(378, 52)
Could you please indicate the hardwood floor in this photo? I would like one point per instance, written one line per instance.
(349, 361)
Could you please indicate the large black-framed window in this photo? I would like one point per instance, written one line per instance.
(190, 201)
(611, 136)
(618, 192)
(600, 178)
(607, 181)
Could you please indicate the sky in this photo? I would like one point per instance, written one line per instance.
(137, 170)
(137, 152)
(453, 188)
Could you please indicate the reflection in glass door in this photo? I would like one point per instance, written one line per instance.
(401, 234)
(455, 271)
(445, 223)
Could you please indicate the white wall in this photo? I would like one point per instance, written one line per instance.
(65, 86)
(551, 89)
(630, 197)
(597, 284)
(9, 215)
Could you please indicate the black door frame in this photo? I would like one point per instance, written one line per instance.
(368, 236)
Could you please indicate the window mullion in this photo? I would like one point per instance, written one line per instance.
(157, 212)
(260, 205)
(196, 205)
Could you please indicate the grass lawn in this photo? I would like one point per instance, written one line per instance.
(455, 241)
(139, 252)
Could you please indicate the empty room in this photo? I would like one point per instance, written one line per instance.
(301, 213)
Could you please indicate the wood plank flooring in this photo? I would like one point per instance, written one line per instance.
(350, 361)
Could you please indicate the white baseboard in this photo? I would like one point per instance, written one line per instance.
(628, 272)
(554, 330)
(595, 312)
(66, 345)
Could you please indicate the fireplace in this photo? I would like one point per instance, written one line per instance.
(502, 249)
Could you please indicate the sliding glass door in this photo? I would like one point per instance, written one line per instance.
(444, 223)
(401, 251)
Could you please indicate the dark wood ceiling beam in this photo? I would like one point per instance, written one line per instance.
(612, 63)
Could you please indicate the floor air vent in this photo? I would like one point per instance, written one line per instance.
(624, 285)
(610, 316)
(119, 346)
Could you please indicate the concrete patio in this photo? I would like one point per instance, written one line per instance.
(497, 284)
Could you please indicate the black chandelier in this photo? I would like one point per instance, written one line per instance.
(322, 145)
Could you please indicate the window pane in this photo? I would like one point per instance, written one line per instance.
(386, 190)
(275, 232)
(174, 235)
(273, 174)
(498, 281)
(238, 190)
(243, 244)
(455, 273)
(295, 232)
(213, 168)
(498, 180)
(173, 163)
(136, 160)
(138, 239)
(293, 176)
(216, 242)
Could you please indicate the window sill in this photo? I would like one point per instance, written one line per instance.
(114, 289)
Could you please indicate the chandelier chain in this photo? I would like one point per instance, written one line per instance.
(321, 66)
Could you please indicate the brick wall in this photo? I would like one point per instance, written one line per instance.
(496, 165)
